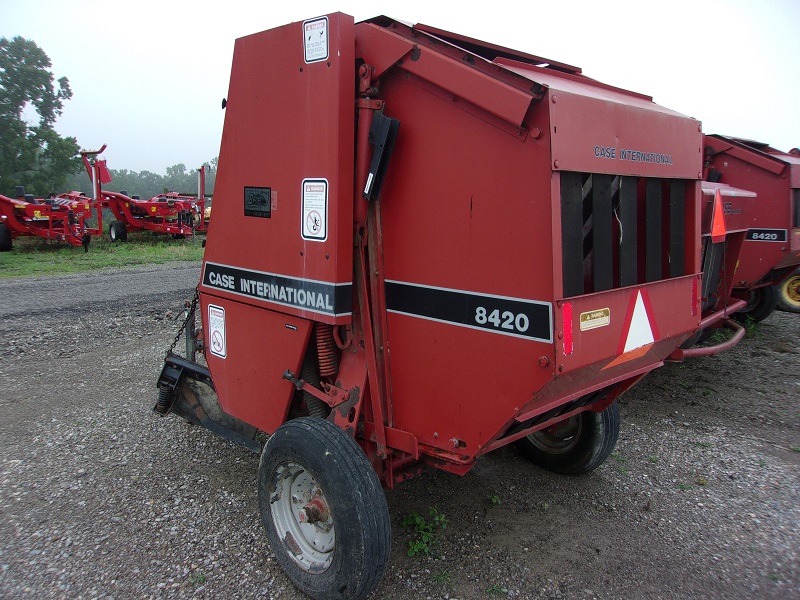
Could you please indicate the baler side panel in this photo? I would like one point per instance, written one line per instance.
(466, 222)
(283, 210)
(286, 156)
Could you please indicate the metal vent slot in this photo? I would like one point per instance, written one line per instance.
(619, 231)
(796, 203)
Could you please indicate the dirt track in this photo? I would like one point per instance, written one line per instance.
(99, 497)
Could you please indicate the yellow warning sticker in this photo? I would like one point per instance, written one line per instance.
(595, 318)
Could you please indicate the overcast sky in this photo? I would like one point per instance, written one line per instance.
(148, 76)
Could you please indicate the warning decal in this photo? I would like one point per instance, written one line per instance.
(216, 331)
(595, 318)
(315, 39)
(315, 210)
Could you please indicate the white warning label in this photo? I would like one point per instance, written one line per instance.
(315, 39)
(315, 210)
(216, 331)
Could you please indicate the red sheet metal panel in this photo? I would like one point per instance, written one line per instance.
(248, 349)
(282, 233)
(472, 257)
(598, 129)
(493, 96)
(739, 207)
(468, 256)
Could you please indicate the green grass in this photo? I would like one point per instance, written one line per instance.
(32, 256)
(495, 590)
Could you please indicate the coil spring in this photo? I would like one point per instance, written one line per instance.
(164, 400)
(327, 352)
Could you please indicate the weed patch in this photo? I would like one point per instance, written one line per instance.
(427, 532)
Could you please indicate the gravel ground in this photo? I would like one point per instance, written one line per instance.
(101, 498)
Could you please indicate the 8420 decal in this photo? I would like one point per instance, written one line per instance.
(518, 317)
(766, 235)
(508, 320)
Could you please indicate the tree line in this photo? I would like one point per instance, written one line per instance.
(34, 155)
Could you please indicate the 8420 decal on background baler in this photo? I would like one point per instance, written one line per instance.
(439, 263)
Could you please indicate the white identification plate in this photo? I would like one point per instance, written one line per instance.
(216, 331)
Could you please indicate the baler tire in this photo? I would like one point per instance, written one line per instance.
(574, 446)
(5, 238)
(788, 293)
(762, 303)
(117, 231)
(313, 458)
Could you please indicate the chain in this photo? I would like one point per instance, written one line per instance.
(182, 328)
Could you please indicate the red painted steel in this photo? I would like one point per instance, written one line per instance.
(447, 294)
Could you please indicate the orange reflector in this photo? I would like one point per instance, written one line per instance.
(718, 229)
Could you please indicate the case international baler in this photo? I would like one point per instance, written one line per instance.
(771, 251)
(427, 247)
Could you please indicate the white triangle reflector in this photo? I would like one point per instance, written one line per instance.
(639, 333)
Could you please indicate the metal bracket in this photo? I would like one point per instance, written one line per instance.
(333, 398)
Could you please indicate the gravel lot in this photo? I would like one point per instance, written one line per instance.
(101, 498)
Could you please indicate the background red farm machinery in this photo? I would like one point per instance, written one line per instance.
(74, 218)
(771, 249)
(63, 219)
(171, 213)
(490, 249)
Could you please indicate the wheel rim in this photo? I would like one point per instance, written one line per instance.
(302, 517)
(791, 290)
(559, 438)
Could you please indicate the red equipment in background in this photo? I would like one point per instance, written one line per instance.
(55, 218)
(726, 214)
(173, 213)
(490, 249)
(772, 246)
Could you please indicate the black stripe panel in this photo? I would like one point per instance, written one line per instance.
(508, 316)
(304, 294)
